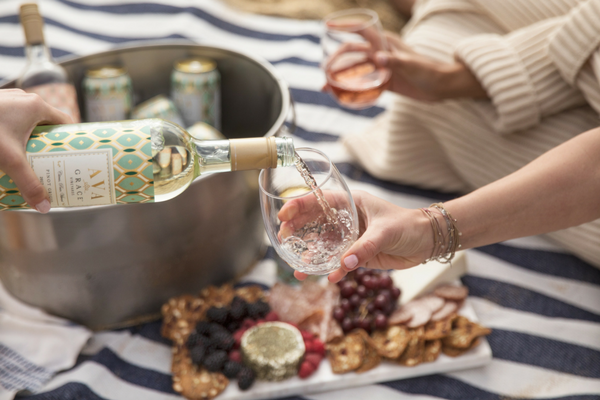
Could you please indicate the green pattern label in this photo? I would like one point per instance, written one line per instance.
(88, 164)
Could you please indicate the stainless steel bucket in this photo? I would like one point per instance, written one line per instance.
(114, 266)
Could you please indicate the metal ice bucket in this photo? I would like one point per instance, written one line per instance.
(111, 266)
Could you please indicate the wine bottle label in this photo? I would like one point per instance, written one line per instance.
(59, 95)
(88, 164)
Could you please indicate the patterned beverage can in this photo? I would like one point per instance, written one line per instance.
(108, 93)
(158, 107)
(196, 91)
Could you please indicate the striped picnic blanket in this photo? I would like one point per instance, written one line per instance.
(542, 303)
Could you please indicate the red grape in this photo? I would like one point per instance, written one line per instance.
(345, 304)
(338, 314)
(347, 289)
(380, 321)
(381, 301)
(362, 291)
(395, 292)
(355, 300)
(347, 325)
(385, 281)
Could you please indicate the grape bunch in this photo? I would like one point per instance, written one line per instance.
(368, 297)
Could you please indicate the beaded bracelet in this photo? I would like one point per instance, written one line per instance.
(453, 235)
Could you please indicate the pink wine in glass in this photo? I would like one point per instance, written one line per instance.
(357, 85)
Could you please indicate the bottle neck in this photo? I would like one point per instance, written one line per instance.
(243, 154)
(38, 53)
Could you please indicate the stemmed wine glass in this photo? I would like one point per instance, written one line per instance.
(309, 213)
(349, 41)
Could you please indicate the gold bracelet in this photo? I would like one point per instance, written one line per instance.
(437, 234)
(453, 235)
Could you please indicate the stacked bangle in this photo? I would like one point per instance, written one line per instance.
(444, 246)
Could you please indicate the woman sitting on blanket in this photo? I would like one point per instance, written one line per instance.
(486, 87)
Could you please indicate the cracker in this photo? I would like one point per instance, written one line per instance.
(455, 352)
(180, 315)
(463, 333)
(414, 352)
(218, 296)
(200, 384)
(372, 358)
(438, 329)
(251, 293)
(391, 342)
(346, 354)
(432, 350)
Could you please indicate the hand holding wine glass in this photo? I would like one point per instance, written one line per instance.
(350, 42)
(309, 213)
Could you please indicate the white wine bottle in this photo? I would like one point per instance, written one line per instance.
(41, 74)
(136, 161)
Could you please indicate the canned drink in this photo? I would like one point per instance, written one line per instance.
(158, 107)
(196, 91)
(108, 93)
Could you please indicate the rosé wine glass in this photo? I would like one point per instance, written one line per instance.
(349, 41)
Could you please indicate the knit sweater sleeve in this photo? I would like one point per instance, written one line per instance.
(520, 71)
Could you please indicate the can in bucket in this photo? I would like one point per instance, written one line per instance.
(196, 91)
(158, 107)
(108, 93)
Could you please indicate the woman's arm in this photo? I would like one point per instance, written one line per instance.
(556, 191)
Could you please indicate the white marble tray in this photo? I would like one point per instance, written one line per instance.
(324, 380)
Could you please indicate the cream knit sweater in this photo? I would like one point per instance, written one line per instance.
(539, 61)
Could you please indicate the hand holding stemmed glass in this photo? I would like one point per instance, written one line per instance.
(350, 40)
(310, 228)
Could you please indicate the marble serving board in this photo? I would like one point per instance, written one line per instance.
(325, 380)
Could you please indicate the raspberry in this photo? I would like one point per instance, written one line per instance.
(215, 361)
(217, 314)
(314, 359)
(318, 347)
(237, 336)
(245, 378)
(306, 335)
(306, 370)
(309, 346)
(235, 355)
(272, 316)
(248, 323)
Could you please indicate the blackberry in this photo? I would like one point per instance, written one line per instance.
(215, 361)
(233, 326)
(223, 341)
(217, 314)
(239, 309)
(197, 354)
(245, 378)
(215, 328)
(231, 369)
(202, 327)
(258, 309)
(193, 339)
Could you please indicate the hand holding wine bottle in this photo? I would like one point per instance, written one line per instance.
(20, 113)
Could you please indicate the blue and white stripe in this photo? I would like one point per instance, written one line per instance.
(542, 303)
